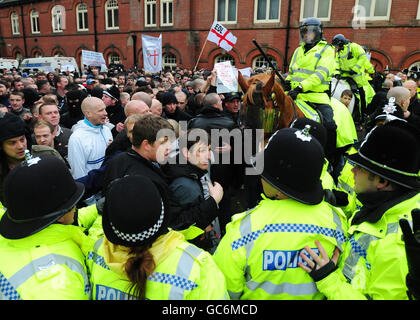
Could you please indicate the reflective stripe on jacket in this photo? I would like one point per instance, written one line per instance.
(354, 58)
(313, 70)
(188, 273)
(48, 265)
(259, 253)
(374, 263)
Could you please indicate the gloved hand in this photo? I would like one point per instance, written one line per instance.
(294, 93)
(412, 249)
(287, 86)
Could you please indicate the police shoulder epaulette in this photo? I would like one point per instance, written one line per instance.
(240, 216)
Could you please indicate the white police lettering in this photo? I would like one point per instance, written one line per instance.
(282, 260)
(108, 293)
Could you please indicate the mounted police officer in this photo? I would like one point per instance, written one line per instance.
(260, 250)
(352, 63)
(386, 180)
(310, 74)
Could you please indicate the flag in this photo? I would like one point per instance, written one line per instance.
(152, 53)
(221, 36)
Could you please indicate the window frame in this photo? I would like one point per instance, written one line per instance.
(34, 17)
(151, 4)
(418, 11)
(171, 65)
(163, 9)
(222, 55)
(267, 14)
(53, 15)
(14, 23)
(302, 5)
(84, 12)
(108, 8)
(226, 13)
(113, 54)
(372, 10)
(271, 58)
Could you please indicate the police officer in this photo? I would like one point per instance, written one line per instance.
(139, 259)
(260, 250)
(42, 255)
(386, 180)
(352, 62)
(310, 74)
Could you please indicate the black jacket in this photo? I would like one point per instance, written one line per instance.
(180, 217)
(212, 118)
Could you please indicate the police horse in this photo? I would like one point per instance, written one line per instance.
(266, 106)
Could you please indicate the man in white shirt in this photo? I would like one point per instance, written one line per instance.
(90, 138)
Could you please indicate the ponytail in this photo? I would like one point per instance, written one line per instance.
(138, 268)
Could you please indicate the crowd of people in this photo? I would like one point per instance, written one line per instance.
(98, 203)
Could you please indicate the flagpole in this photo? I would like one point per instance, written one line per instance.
(200, 55)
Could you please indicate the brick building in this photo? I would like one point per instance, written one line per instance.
(390, 29)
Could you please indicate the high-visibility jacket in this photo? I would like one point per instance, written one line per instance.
(259, 253)
(186, 273)
(346, 132)
(345, 182)
(48, 265)
(312, 70)
(418, 93)
(353, 58)
(374, 262)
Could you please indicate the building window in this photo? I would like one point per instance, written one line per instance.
(267, 11)
(114, 58)
(372, 9)
(19, 56)
(150, 13)
(14, 18)
(111, 15)
(34, 21)
(37, 54)
(320, 9)
(166, 12)
(226, 11)
(57, 15)
(82, 17)
(261, 62)
(225, 57)
(169, 61)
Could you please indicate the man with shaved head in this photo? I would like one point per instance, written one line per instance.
(136, 107)
(90, 138)
(143, 96)
(402, 97)
(414, 107)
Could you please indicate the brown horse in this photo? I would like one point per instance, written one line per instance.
(266, 105)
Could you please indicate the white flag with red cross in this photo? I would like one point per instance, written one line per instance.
(152, 53)
(221, 36)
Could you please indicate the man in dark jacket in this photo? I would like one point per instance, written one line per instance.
(147, 152)
(379, 100)
(171, 109)
(116, 115)
(213, 118)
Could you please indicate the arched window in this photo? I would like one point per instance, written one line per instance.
(82, 17)
(58, 18)
(37, 54)
(34, 21)
(225, 57)
(169, 61)
(18, 56)
(114, 58)
(111, 15)
(261, 62)
(14, 19)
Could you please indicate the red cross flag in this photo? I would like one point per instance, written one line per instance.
(152, 53)
(221, 36)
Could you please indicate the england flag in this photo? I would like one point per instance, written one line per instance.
(152, 53)
(221, 36)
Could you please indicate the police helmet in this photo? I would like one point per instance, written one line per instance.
(293, 160)
(339, 41)
(308, 26)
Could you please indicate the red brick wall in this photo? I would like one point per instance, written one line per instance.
(394, 42)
